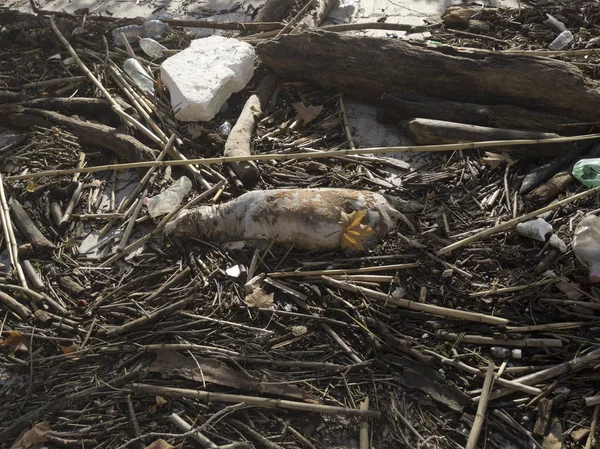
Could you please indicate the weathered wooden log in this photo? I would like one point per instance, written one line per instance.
(10, 97)
(371, 66)
(424, 131)
(94, 134)
(28, 229)
(553, 187)
(395, 108)
(239, 140)
(275, 10)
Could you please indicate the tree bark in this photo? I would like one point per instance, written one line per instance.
(370, 66)
(395, 108)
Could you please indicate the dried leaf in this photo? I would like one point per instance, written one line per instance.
(306, 113)
(68, 349)
(32, 186)
(495, 159)
(16, 341)
(32, 437)
(160, 401)
(195, 130)
(551, 442)
(159, 444)
(570, 290)
(259, 298)
(355, 233)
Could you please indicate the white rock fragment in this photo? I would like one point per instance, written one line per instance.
(556, 242)
(536, 229)
(203, 76)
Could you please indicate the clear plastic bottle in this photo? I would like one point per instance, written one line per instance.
(151, 47)
(561, 41)
(139, 75)
(586, 245)
(152, 28)
(167, 201)
(224, 128)
(505, 353)
(587, 172)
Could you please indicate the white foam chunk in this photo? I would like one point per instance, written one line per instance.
(203, 76)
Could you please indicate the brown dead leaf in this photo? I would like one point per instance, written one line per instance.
(151, 409)
(571, 290)
(196, 130)
(159, 444)
(495, 159)
(68, 349)
(160, 401)
(32, 437)
(306, 113)
(551, 442)
(259, 298)
(354, 234)
(16, 341)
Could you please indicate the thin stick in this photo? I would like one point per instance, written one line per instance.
(181, 424)
(364, 426)
(481, 408)
(9, 235)
(312, 155)
(252, 400)
(591, 440)
(412, 305)
(514, 222)
(482, 340)
(282, 274)
(347, 130)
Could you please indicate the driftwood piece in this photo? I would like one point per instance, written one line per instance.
(554, 187)
(433, 132)
(28, 229)
(239, 139)
(76, 106)
(275, 10)
(395, 108)
(94, 134)
(370, 67)
(316, 16)
(543, 419)
(10, 97)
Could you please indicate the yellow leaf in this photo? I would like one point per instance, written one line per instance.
(306, 113)
(551, 442)
(159, 444)
(355, 233)
(160, 401)
(32, 186)
(32, 437)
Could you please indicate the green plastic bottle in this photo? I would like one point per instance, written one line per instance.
(587, 172)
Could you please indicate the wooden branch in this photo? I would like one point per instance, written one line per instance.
(515, 221)
(354, 64)
(431, 132)
(239, 140)
(93, 134)
(316, 17)
(308, 155)
(12, 304)
(481, 408)
(522, 343)
(252, 400)
(398, 107)
(412, 305)
(28, 229)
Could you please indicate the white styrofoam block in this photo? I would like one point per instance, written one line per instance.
(203, 76)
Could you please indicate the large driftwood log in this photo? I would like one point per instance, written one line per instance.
(395, 108)
(370, 67)
(94, 134)
(239, 139)
(424, 131)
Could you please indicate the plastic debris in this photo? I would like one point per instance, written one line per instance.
(561, 41)
(152, 28)
(167, 201)
(586, 245)
(151, 47)
(587, 172)
(139, 75)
